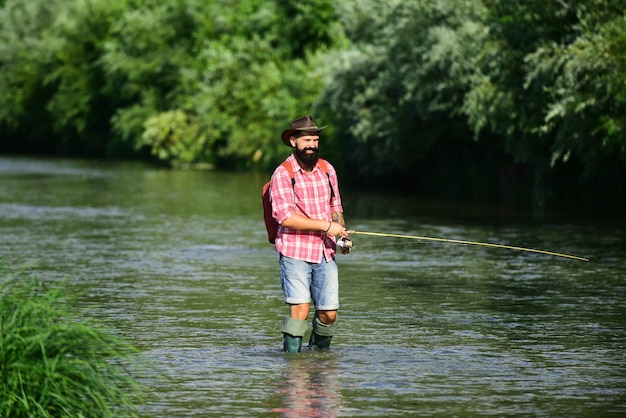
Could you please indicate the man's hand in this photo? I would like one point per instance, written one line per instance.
(337, 230)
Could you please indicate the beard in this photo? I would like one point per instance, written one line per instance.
(306, 159)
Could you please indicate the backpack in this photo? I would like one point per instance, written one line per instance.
(270, 223)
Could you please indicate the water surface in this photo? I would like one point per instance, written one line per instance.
(178, 263)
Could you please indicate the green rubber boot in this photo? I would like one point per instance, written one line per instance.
(293, 331)
(291, 344)
(322, 334)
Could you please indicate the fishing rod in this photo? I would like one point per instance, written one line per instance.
(456, 241)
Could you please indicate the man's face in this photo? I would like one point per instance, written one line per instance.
(306, 148)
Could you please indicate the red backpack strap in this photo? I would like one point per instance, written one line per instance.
(287, 165)
(324, 166)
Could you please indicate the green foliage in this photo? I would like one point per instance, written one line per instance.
(96, 72)
(143, 58)
(172, 136)
(392, 93)
(541, 84)
(307, 25)
(23, 58)
(405, 86)
(244, 100)
(51, 78)
(55, 363)
(215, 89)
(565, 81)
(585, 82)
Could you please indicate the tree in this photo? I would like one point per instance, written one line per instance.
(398, 92)
(51, 78)
(530, 83)
(235, 79)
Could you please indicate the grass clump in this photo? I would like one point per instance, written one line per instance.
(53, 363)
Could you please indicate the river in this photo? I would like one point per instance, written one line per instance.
(178, 263)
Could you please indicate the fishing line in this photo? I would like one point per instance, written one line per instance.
(481, 244)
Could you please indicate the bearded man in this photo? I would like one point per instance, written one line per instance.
(308, 210)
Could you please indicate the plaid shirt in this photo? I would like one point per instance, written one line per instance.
(310, 196)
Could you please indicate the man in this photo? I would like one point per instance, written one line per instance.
(310, 218)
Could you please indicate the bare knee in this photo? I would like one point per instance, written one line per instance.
(327, 317)
(300, 311)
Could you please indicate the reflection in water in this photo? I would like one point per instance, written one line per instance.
(309, 386)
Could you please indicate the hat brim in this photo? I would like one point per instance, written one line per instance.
(287, 133)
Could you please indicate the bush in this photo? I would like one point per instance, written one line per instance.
(54, 363)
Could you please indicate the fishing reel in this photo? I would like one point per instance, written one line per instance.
(345, 244)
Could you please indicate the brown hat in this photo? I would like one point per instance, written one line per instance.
(304, 123)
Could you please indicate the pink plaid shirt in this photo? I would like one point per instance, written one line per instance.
(310, 196)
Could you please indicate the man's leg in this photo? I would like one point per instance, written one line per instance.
(324, 325)
(295, 279)
(294, 327)
(325, 289)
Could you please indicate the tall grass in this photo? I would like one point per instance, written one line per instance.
(55, 363)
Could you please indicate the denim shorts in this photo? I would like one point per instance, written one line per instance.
(305, 282)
